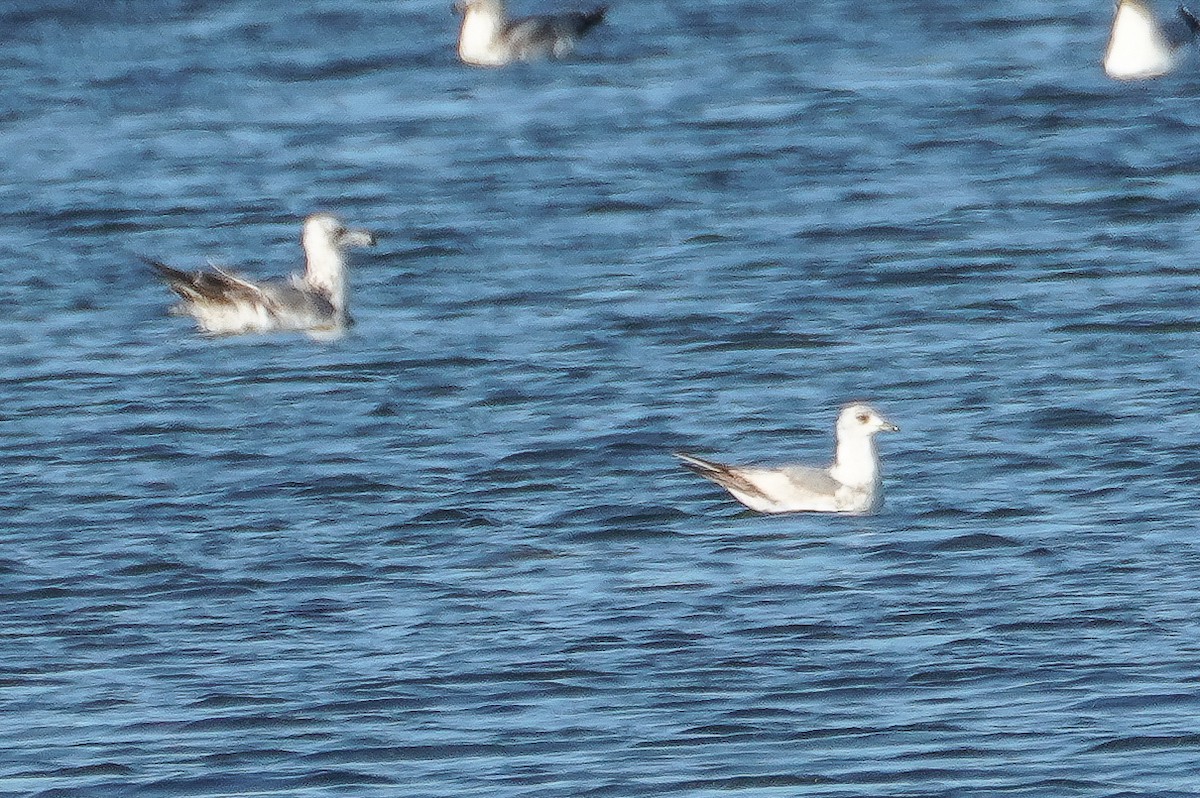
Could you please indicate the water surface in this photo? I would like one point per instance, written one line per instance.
(451, 554)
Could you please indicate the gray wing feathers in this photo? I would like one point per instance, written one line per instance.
(549, 32)
(287, 299)
(811, 480)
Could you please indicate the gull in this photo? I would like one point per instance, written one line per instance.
(851, 485)
(489, 38)
(223, 303)
(1140, 46)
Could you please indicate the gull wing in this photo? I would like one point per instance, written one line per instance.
(298, 306)
(217, 286)
(785, 489)
(550, 34)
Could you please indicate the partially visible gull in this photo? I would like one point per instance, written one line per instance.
(851, 485)
(1140, 46)
(314, 302)
(489, 38)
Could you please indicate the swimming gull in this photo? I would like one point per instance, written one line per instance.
(489, 38)
(1140, 46)
(851, 485)
(223, 303)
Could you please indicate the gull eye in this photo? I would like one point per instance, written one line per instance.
(863, 418)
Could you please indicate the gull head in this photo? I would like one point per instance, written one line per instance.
(861, 420)
(325, 239)
(325, 232)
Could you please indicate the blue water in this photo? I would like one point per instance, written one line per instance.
(450, 554)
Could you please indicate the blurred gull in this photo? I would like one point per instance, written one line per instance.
(851, 485)
(1140, 46)
(489, 38)
(314, 302)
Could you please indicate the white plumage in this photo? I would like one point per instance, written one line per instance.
(852, 484)
(1140, 46)
(489, 38)
(315, 302)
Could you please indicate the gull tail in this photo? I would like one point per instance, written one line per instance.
(1190, 20)
(181, 282)
(590, 19)
(725, 476)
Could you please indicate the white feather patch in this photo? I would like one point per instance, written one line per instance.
(1137, 48)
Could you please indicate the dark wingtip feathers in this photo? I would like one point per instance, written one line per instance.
(719, 473)
(592, 18)
(697, 464)
(194, 286)
(1190, 18)
(164, 271)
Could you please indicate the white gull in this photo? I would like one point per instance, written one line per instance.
(853, 484)
(1140, 46)
(223, 303)
(489, 38)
